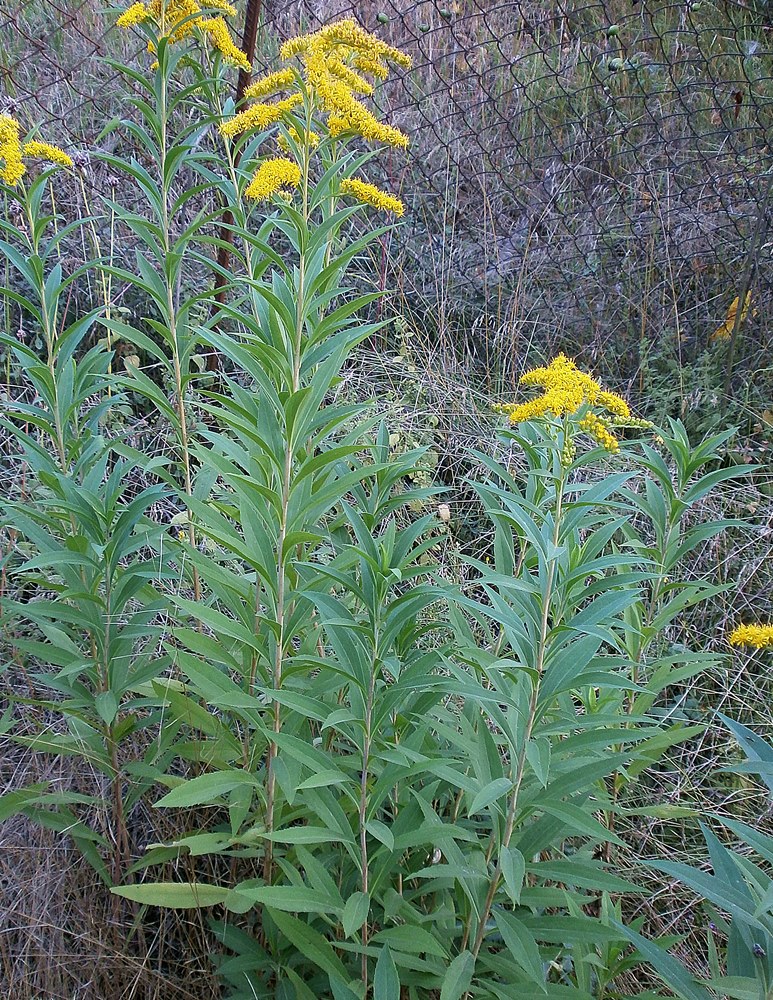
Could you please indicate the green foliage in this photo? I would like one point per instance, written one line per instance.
(414, 787)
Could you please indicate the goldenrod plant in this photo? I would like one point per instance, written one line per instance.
(84, 570)
(409, 788)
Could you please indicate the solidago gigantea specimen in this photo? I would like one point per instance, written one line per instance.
(295, 475)
(329, 69)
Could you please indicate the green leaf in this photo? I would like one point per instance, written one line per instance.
(305, 835)
(386, 982)
(412, 939)
(736, 987)
(341, 991)
(522, 946)
(458, 977)
(302, 991)
(490, 793)
(671, 971)
(538, 755)
(106, 705)
(757, 750)
(586, 874)
(553, 928)
(291, 898)
(204, 789)
(310, 943)
(173, 895)
(513, 866)
(323, 779)
(580, 822)
(12, 803)
(355, 912)
(382, 833)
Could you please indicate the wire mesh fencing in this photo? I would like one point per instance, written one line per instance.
(593, 176)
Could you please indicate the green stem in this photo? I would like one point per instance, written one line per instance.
(121, 854)
(172, 318)
(363, 810)
(287, 475)
(531, 720)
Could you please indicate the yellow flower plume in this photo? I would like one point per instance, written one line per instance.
(178, 19)
(335, 62)
(567, 390)
(758, 636)
(272, 176)
(283, 79)
(259, 116)
(10, 151)
(369, 194)
(13, 152)
(217, 31)
(136, 14)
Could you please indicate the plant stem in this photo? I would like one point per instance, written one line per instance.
(363, 812)
(172, 319)
(287, 474)
(121, 854)
(520, 768)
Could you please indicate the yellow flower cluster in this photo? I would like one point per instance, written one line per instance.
(759, 636)
(180, 18)
(135, 15)
(13, 152)
(10, 151)
(592, 424)
(345, 113)
(272, 176)
(567, 390)
(283, 79)
(369, 194)
(260, 116)
(374, 67)
(220, 37)
(350, 77)
(333, 61)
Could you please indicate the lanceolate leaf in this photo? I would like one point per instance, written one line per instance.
(355, 912)
(670, 969)
(205, 789)
(758, 751)
(458, 977)
(309, 943)
(173, 895)
(522, 946)
(513, 868)
(386, 982)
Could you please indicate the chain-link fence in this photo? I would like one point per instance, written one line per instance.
(589, 175)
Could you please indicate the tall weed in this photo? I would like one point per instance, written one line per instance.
(409, 787)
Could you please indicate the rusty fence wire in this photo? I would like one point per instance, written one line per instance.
(591, 175)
